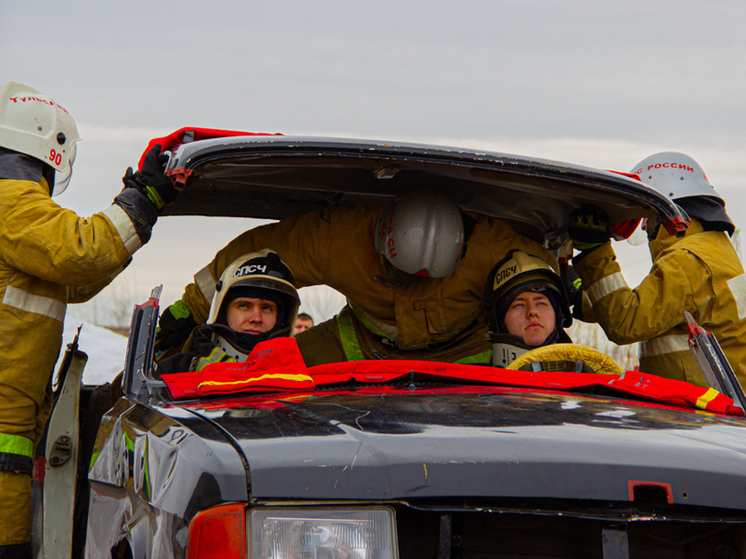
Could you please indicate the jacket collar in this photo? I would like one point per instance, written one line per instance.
(665, 241)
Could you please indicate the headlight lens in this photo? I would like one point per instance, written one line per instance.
(311, 533)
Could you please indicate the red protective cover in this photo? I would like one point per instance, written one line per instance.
(624, 229)
(175, 139)
(633, 383)
(273, 366)
(277, 366)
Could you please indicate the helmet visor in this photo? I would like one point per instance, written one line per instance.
(63, 177)
(639, 237)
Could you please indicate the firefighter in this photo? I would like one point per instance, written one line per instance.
(414, 291)
(303, 322)
(527, 307)
(49, 257)
(699, 272)
(255, 300)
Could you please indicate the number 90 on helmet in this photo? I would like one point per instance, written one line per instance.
(421, 233)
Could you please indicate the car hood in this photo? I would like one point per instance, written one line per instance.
(490, 443)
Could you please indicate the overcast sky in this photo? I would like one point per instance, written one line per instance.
(603, 84)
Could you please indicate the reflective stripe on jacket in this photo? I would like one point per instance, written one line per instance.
(217, 355)
(16, 453)
(700, 273)
(336, 247)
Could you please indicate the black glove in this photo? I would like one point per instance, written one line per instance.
(140, 210)
(151, 180)
(588, 228)
(574, 289)
(573, 284)
(175, 326)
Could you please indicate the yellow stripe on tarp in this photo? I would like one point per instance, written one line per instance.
(706, 398)
(294, 378)
(16, 444)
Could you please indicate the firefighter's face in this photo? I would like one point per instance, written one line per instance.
(302, 324)
(532, 317)
(251, 316)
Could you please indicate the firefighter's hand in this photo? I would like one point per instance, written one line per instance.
(151, 180)
(574, 288)
(175, 326)
(588, 228)
(573, 284)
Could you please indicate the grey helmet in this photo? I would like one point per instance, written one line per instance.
(421, 233)
(680, 178)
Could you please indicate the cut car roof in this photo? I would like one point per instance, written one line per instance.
(274, 177)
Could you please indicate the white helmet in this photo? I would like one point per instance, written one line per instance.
(680, 178)
(34, 124)
(674, 175)
(421, 233)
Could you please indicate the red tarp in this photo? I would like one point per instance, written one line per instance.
(277, 366)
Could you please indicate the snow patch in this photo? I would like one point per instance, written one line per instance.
(105, 350)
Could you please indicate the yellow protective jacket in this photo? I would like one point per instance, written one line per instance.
(700, 273)
(345, 338)
(48, 257)
(336, 247)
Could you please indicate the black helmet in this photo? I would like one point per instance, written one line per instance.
(261, 275)
(515, 274)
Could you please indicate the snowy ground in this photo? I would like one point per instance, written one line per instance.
(105, 350)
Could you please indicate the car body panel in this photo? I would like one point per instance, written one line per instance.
(179, 462)
(490, 444)
(274, 177)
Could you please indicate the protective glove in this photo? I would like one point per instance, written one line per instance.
(140, 210)
(573, 284)
(588, 228)
(175, 326)
(151, 180)
(574, 288)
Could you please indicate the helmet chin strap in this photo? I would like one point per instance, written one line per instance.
(226, 346)
(503, 354)
(506, 348)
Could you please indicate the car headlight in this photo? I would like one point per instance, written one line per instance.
(315, 533)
